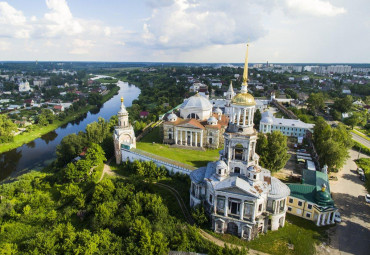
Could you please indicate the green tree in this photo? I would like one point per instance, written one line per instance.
(70, 146)
(331, 144)
(257, 118)
(315, 102)
(7, 129)
(276, 151)
(343, 104)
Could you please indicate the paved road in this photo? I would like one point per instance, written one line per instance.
(352, 235)
(360, 139)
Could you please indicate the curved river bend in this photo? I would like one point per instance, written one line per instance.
(40, 152)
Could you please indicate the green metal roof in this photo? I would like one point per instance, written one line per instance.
(302, 191)
(310, 190)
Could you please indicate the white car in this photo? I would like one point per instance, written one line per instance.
(337, 217)
(360, 171)
(367, 198)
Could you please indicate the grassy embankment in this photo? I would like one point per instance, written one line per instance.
(364, 163)
(360, 134)
(29, 136)
(300, 234)
(152, 143)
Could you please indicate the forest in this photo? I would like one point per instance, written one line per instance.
(68, 209)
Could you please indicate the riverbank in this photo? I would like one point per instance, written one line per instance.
(27, 137)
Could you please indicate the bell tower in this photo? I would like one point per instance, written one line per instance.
(124, 135)
(241, 137)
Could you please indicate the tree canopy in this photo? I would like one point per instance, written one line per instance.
(7, 129)
(331, 144)
(273, 150)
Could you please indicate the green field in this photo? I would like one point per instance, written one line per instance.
(152, 143)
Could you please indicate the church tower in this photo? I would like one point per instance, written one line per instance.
(229, 96)
(124, 136)
(241, 137)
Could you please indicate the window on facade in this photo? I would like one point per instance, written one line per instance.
(220, 171)
(282, 204)
(289, 209)
(210, 198)
(308, 215)
(237, 170)
(259, 207)
(248, 210)
(309, 206)
(290, 200)
(239, 152)
(254, 176)
(220, 204)
(210, 140)
(169, 136)
(234, 207)
(300, 203)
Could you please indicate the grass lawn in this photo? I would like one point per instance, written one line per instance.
(303, 234)
(152, 143)
(27, 137)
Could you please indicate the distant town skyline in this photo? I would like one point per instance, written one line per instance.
(209, 31)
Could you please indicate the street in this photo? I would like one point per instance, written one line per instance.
(352, 235)
(360, 139)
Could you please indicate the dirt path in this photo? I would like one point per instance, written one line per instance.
(107, 170)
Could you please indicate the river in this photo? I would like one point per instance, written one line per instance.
(41, 152)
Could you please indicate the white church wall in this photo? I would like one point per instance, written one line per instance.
(131, 155)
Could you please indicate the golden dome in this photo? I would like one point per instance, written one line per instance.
(244, 99)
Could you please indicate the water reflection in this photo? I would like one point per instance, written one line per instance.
(9, 161)
(49, 136)
(31, 144)
(95, 110)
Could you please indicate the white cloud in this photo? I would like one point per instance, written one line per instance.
(188, 24)
(59, 20)
(81, 46)
(4, 45)
(12, 22)
(314, 7)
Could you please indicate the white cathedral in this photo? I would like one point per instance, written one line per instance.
(124, 135)
(241, 197)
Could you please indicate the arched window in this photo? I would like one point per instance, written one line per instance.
(210, 140)
(237, 170)
(239, 151)
(170, 136)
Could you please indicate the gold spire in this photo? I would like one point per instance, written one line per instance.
(245, 73)
(121, 99)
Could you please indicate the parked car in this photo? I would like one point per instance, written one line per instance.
(367, 198)
(337, 217)
(362, 177)
(360, 171)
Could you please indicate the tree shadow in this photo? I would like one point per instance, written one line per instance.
(352, 235)
(353, 178)
(199, 163)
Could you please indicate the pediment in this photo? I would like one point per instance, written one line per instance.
(239, 191)
(188, 125)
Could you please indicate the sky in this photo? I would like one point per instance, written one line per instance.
(211, 31)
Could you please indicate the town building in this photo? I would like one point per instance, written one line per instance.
(124, 135)
(288, 127)
(24, 87)
(311, 199)
(241, 197)
(195, 125)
